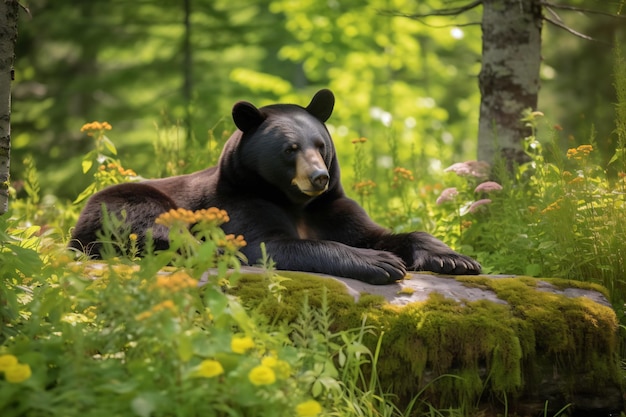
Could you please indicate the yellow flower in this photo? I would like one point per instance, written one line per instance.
(281, 368)
(211, 215)
(165, 305)
(269, 361)
(17, 373)
(209, 368)
(309, 408)
(95, 126)
(7, 361)
(176, 281)
(241, 344)
(144, 315)
(262, 375)
(232, 243)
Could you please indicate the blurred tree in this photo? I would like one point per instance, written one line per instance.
(509, 79)
(578, 93)
(136, 65)
(404, 85)
(8, 37)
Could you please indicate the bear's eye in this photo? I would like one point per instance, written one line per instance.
(291, 149)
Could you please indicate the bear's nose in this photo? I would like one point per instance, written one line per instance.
(319, 178)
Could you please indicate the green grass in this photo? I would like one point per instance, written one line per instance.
(150, 346)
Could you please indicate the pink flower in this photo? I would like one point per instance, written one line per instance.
(447, 195)
(476, 204)
(487, 187)
(478, 169)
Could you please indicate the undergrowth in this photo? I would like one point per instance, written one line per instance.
(159, 336)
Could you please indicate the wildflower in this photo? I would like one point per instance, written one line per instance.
(262, 375)
(476, 204)
(17, 373)
(212, 215)
(364, 188)
(447, 195)
(580, 152)
(143, 315)
(209, 368)
(310, 408)
(359, 140)
(487, 187)
(477, 169)
(552, 207)
(232, 243)
(269, 361)
(466, 224)
(401, 174)
(133, 237)
(281, 368)
(7, 361)
(95, 127)
(176, 281)
(165, 305)
(241, 344)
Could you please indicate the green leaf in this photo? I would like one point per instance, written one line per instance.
(619, 152)
(87, 164)
(533, 270)
(109, 145)
(87, 192)
(185, 347)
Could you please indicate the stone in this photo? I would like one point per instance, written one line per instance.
(467, 340)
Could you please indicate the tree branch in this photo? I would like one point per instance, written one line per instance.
(570, 30)
(579, 9)
(456, 25)
(453, 11)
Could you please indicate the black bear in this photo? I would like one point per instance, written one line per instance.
(278, 179)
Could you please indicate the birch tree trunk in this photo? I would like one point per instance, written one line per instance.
(8, 37)
(509, 77)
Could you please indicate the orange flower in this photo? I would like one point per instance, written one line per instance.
(175, 282)
(211, 215)
(95, 127)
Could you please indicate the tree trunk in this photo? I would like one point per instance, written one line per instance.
(509, 78)
(8, 38)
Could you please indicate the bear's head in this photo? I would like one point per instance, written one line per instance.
(288, 146)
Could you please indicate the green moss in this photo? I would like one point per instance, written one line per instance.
(460, 351)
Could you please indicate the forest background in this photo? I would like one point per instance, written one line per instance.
(166, 74)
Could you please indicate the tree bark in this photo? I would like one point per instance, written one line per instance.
(509, 78)
(8, 38)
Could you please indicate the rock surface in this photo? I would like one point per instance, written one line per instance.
(533, 341)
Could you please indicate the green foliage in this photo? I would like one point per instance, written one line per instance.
(152, 342)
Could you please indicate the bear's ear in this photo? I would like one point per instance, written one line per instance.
(246, 116)
(321, 106)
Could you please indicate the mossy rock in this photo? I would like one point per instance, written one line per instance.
(470, 340)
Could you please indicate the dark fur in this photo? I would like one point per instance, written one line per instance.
(322, 232)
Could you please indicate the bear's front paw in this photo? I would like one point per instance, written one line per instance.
(381, 267)
(445, 263)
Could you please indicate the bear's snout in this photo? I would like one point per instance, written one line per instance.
(319, 179)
